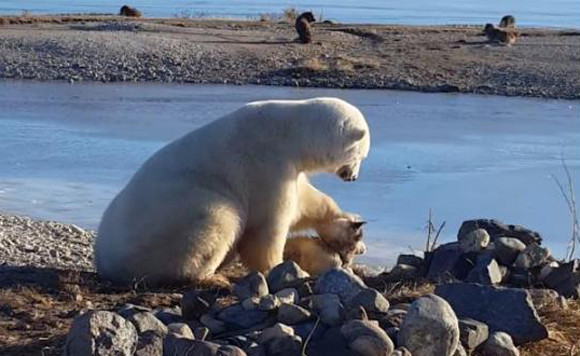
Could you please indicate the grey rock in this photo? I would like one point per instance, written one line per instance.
(196, 302)
(251, 303)
(169, 315)
(252, 285)
(340, 282)
(474, 241)
(401, 273)
(443, 262)
(394, 317)
(150, 343)
(101, 333)
(181, 329)
(284, 274)
(280, 340)
(565, 279)
(472, 333)
(366, 338)
(496, 307)
(292, 314)
(499, 344)
(532, 256)
(371, 300)
(288, 295)
(329, 308)
(145, 321)
(236, 317)
(547, 269)
(332, 343)
(174, 345)
(507, 250)
(313, 329)
(200, 333)
(496, 228)
(357, 313)
(214, 325)
(430, 328)
(543, 296)
(486, 271)
(268, 302)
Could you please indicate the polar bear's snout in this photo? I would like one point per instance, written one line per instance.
(349, 173)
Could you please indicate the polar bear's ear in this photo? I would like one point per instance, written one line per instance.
(356, 135)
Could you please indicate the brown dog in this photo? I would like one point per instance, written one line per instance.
(129, 11)
(336, 246)
(303, 28)
(499, 35)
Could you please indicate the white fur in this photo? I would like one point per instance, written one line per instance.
(234, 186)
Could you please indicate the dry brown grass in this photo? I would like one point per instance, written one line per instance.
(564, 330)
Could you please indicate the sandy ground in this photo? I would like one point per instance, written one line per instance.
(543, 63)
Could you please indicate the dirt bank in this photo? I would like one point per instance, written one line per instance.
(543, 63)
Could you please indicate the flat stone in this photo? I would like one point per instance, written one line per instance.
(284, 274)
(101, 333)
(268, 302)
(340, 282)
(366, 338)
(292, 314)
(499, 344)
(486, 271)
(496, 228)
(496, 307)
(507, 250)
(472, 333)
(532, 256)
(474, 241)
(329, 308)
(145, 321)
(150, 343)
(430, 328)
(236, 317)
(252, 285)
(371, 300)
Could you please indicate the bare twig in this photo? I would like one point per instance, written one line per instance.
(570, 199)
(429, 231)
(437, 235)
(309, 337)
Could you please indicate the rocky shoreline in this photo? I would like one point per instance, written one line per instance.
(460, 298)
(542, 63)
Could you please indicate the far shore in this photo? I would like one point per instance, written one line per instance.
(454, 58)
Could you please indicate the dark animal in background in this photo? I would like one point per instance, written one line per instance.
(499, 35)
(129, 11)
(303, 27)
(508, 21)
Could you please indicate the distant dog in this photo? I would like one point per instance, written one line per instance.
(336, 246)
(129, 11)
(499, 35)
(303, 27)
(508, 21)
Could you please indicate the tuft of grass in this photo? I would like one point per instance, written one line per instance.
(289, 15)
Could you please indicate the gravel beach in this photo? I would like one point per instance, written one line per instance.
(542, 63)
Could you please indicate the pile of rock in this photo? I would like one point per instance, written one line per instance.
(490, 252)
(291, 313)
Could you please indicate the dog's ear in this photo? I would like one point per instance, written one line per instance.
(357, 224)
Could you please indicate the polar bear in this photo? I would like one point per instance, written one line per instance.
(234, 187)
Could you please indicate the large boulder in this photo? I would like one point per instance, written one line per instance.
(502, 309)
(366, 338)
(340, 282)
(430, 328)
(565, 279)
(532, 256)
(446, 263)
(496, 229)
(474, 241)
(101, 333)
